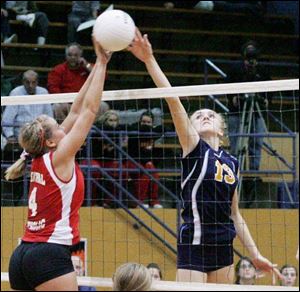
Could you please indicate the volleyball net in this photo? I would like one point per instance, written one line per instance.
(131, 211)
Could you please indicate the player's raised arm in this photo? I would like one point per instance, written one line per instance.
(142, 49)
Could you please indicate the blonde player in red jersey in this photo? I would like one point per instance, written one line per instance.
(42, 261)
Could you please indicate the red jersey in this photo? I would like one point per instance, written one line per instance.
(53, 205)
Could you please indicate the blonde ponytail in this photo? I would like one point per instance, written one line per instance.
(16, 170)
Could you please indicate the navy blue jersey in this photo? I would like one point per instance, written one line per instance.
(209, 180)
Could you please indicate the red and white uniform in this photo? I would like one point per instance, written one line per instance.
(53, 214)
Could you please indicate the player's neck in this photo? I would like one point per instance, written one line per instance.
(212, 141)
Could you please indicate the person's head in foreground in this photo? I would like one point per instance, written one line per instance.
(245, 272)
(155, 271)
(289, 274)
(132, 277)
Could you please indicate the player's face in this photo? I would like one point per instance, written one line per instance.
(207, 122)
(30, 84)
(247, 270)
(112, 121)
(155, 274)
(73, 56)
(290, 277)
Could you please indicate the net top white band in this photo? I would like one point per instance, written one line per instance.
(177, 286)
(152, 93)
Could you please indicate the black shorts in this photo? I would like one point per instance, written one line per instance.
(204, 257)
(32, 264)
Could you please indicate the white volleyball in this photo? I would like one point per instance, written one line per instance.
(114, 30)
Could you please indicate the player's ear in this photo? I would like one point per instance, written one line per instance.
(50, 143)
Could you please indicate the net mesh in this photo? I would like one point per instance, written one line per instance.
(131, 211)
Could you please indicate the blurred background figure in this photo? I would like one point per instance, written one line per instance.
(27, 13)
(246, 273)
(141, 148)
(132, 277)
(155, 271)
(6, 35)
(289, 274)
(81, 11)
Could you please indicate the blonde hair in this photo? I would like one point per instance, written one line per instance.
(32, 139)
(132, 277)
(105, 116)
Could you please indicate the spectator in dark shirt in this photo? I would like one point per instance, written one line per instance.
(141, 148)
(248, 70)
(107, 155)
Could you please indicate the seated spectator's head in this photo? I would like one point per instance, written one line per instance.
(289, 274)
(132, 277)
(250, 54)
(73, 55)
(146, 119)
(155, 271)
(30, 81)
(78, 265)
(109, 119)
(245, 271)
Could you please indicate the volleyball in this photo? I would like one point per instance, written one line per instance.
(114, 30)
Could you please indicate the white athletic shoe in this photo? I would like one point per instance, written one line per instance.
(145, 206)
(28, 18)
(205, 5)
(157, 206)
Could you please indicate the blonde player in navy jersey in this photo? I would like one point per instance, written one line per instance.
(43, 260)
(211, 217)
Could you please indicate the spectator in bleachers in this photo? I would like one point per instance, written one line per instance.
(132, 277)
(289, 275)
(6, 35)
(141, 148)
(155, 271)
(15, 116)
(18, 115)
(67, 77)
(246, 71)
(81, 11)
(245, 272)
(27, 13)
(106, 155)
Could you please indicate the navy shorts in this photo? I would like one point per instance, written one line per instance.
(204, 258)
(32, 264)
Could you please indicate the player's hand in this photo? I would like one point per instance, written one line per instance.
(103, 56)
(263, 264)
(141, 47)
